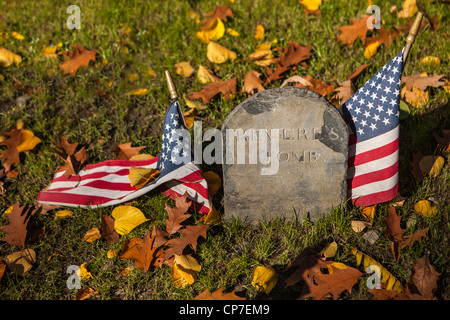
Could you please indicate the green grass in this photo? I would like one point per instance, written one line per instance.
(162, 35)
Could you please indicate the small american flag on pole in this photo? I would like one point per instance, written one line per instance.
(107, 183)
(373, 116)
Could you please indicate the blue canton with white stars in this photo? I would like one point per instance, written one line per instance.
(176, 142)
(374, 108)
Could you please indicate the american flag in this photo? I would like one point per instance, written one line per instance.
(107, 183)
(373, 116)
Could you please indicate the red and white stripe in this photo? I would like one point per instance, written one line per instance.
(372, 175)
(106, 183)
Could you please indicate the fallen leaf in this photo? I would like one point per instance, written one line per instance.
(17, 35)
(17, 141)
(311, 5)
(232, 32)
(424, 278)
(74, 161)
(431, 61)
(329, 251)
(415, 96)
(92, 234)
(218, 295)
(259, 32)
(108, 229)
(17, 229)
(345, 91)
(214, 182)
(359, 226)
(425, 208)
(394, 231)
(205, 75)
(7, 58)
(385, 37)
(85, 293)
(139, 92)
(177, 215)
(27, 141)
(126, 218)
(221, 11)
(212, 217)
(189, 236)
(358, 30)
(355, 74)
(78, 57)
(111, 254)
(422, 81)
(369, 212)
(22, 261)
(297, 79)
(212, 31)
(125, 272)
(252, 83)
(409, 9)
(262, 57)
(431, 165)
(139, 177)
(210, 90)
(219, 54)
(184, 69)
(63, 214)
(184, 270)
(371, 49)
(49, 52)
(125, 151)
(321, 87)
(264, 278)
(83, 273)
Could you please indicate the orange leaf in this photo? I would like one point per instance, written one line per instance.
(357, 30)
(78, 57)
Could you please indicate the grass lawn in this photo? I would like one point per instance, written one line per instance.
(136, 41)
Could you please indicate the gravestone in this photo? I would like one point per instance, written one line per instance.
(284, 154)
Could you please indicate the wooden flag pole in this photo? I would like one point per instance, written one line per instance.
(171, 85)
(413, 31)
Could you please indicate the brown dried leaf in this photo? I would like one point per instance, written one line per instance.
(189, 236)
(352, 32)
(78, 57)
(252, 83)
(74, 161)
(422, 82)
(218, 295)
(210, 90)
(108, 230)
(125, 151)
(17, 229)
(177, 215)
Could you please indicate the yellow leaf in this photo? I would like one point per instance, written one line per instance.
(369, 212)
(213, 31)
(21, 261)
(311, 5)
(7, 58)
(204, 75)
(431, 165)
(194, 104)
(63, 214)
(151, 73)
(232, 32)
(337, 265)
(125, 272)
(140, 157)
(9, 210)
(409, 9)
(83, 273)
(184, 270)
(127, 218)
(219, 54)
(212, 217)
(434, 61)
(184, 69)
(139, 177)
(27, 141)
(85, 293)
(92, 235)
(17, 35)
(132, 77)
(371, 49)
(259, 32)
(425, 208)
(49, 52)
(262, 57)
(415, 97)
(139, 92)
(111, 254)
(330, 250)
(214, 182)
(264, 278)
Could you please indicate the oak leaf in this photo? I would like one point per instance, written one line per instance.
(17, 229)
(125, 151)
(352, 32)
(189, 236)
(321, 87)
(252, 83)
(210, 90)
(385, 37)
(222, 11)
(74, 161)
(422, 81)
(19, 140)
(78, 57)
(177, 215)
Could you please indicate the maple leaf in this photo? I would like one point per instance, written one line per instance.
(17, 229)
(252, 83)
(125, 151)
(78, 57)
(74, 161)
(189, 236)
(357, 30)
(210, 90)
(218, 295)
(177, 215)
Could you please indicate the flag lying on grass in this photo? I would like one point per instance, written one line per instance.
(107, 183)
(373, 116)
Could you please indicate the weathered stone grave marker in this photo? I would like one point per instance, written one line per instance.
(284, 153)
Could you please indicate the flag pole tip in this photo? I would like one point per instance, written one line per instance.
(414, 30)
(171, 85)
